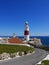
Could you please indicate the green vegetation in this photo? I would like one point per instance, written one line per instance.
(45, 62)
(14, 48)
(46, 48)
(20, 53)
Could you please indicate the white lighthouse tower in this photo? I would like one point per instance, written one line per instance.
(26, 31)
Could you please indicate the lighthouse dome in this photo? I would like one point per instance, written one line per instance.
(26, 26)
(26, 22)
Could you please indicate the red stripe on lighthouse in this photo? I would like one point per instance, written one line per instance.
(26, 32)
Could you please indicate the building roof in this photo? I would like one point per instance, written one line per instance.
(15, 40)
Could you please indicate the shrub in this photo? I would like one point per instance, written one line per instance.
(20, 53)
(12, 55)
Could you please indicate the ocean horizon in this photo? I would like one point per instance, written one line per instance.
(44, 39)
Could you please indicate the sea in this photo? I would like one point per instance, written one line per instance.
(44, 39)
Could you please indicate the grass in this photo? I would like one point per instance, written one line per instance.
(45, 62)
(46, 48)
(14, 48)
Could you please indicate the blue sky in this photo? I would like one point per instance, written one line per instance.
(14, 13)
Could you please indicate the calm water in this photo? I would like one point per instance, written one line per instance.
(44, 39)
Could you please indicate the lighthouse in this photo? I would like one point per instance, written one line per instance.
(26, 31)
